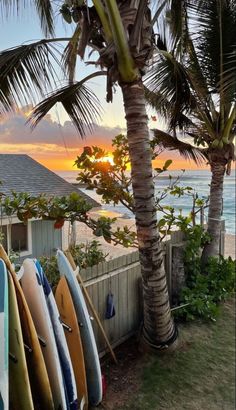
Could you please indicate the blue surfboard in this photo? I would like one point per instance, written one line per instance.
(64, 355)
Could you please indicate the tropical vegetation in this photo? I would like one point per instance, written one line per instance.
(206, 285)
(192, 84)
(195, 99)
(110, 177)
(120, 35)
(84, 255)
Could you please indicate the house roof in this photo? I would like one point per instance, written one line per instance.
(22, 173)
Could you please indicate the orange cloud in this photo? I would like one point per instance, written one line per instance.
(57, 146)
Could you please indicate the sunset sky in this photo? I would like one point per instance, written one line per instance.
(55, 142)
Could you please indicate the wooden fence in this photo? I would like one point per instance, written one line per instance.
(122, 277)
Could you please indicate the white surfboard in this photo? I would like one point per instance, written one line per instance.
(64, 355)
(92, 364)
(34, 294)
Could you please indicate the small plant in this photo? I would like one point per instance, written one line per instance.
(88, 254)
(14, 256)
(84, 255)
(49, 265)
(206, 285)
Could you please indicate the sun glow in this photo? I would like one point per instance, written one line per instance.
(107, 158)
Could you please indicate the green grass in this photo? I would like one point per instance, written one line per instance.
(200, 375)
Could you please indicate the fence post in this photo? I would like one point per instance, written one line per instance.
(222, 238)
(168, 265)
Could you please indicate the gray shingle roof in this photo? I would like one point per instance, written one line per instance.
(21, 173)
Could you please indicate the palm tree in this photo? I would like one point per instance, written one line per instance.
(193, 85)
(121, 35)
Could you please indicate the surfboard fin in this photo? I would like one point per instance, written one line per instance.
(28, 348)
(42, 341)
(65, 326)
(13, 358)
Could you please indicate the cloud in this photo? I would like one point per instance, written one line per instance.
(14, 131)
(57, 146)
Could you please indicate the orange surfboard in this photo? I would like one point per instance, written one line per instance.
(68, 316)
(39, 381)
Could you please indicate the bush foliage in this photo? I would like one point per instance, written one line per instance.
(206, 285)
(84, 255)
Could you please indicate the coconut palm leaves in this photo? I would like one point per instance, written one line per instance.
(168, 142)
(43, 8)
(26, 72)
(196, 80)
(80, 103)
(200, 82)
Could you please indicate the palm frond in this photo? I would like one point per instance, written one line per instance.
(45, 12)
(188, 151)
(159, 8)
(6, 102)
(168, 78)
(26, 73)
(43, 8)
(177, 18)
(69, 56)
(158, 102)
(80, 103)
(229, 77)
(161, 105)
(216, 40)
(198, 81)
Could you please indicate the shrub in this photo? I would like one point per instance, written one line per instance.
(88, 254)
(85, 255)
(206, 288)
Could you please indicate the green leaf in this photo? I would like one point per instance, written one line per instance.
(167, 164)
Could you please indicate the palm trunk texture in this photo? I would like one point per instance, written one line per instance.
(215, 210)
(159, 329)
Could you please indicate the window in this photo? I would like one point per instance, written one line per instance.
(17, 237)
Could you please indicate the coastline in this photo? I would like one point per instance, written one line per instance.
(84, 234)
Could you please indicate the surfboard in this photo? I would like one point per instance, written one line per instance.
(92, 364)
(72, 333)
(64, 355)
(34, 294)
(39, 381)
(4, 341)
(20, 392)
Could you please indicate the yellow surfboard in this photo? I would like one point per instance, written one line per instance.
(38, 376)
(20, 393)
(72, 333)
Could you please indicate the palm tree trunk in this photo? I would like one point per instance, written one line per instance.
(159, 329)
(215, 210)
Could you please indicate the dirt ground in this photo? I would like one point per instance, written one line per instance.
(122, 380)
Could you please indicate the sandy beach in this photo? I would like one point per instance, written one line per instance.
(84, 234)
(230, 245)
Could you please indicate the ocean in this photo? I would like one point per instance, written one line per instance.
(199, 180)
